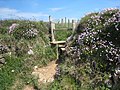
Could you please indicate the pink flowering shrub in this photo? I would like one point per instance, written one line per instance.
(26, 29)
(98, 42)
(12, 27)
(100, 36)
(7, 26)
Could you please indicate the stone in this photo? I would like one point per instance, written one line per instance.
(36, 67)
(30, 52)
(1, 56)
(2, 60)
(3, 49)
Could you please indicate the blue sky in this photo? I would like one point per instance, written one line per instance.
(41, 9)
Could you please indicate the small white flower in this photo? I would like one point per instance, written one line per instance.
(12, 70)
(30, 52)
(35, 67)
(10, 53)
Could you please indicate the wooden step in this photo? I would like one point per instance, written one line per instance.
(61, 46)
(58, 42)
(63, 49)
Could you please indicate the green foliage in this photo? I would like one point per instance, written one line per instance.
(61, 35)
(16, 73)
(64, 82)
(88, 63)
(8, 72)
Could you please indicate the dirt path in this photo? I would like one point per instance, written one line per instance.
(28, 88)
(46, 74)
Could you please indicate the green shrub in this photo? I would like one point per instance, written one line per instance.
(19, 64)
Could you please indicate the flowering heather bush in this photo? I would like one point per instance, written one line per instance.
(98, 41)
(26, 30)
(29, 33)
(100, 36)
(12, 27)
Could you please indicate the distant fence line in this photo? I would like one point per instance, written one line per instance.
(65, 22)
(64, 25)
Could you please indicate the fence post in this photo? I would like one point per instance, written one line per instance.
(49, 18)
(62, 21)
(73, 25)
(68, 23)
(52, 31)
(65, 22)
(78, 21)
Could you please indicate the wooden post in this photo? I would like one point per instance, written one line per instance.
(62, 21)
(68, 23)
(78, 21)
(73, 25)
(59, 22)
(49, 18)
(65, 21)
(52, 31)
(50, 35)
(57, 51)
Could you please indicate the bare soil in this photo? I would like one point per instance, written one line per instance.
(28, 88)
(46, 74)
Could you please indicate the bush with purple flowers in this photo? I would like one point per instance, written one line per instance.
(98, 42)
(100, 37)
(26, 29)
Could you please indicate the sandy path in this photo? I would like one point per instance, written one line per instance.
(46, 74)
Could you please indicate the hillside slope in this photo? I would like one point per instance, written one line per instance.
(24, 44)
